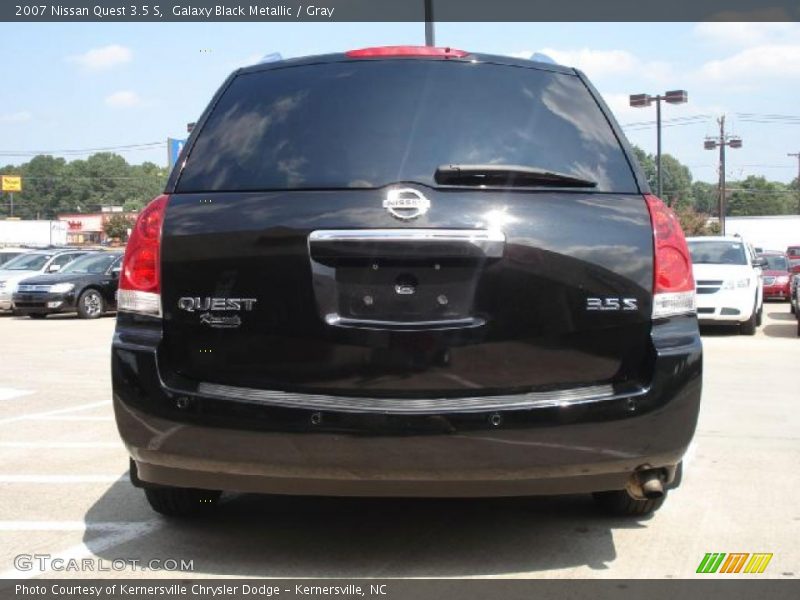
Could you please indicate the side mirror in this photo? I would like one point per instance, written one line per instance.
(115, 272)
(53, 268)
(760, 262)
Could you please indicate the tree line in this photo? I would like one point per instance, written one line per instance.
(52, 185)
(696, 201)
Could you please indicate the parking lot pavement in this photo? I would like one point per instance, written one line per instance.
(64, 489)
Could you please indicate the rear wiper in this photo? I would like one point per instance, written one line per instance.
(507, 176)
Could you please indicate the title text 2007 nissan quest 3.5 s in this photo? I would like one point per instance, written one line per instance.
(406, 271)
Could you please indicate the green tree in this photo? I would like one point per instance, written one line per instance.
(52, 185)
(795, 198)
(117, 226)
(676, 178)
(705, 197)
(676, 181)
(756, 196)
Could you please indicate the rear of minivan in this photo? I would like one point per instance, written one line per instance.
(406, 272)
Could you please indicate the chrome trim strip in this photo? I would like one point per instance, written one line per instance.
(491, 241)
(560, 398)
(339, 321)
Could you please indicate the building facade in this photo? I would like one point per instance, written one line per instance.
(88, 228)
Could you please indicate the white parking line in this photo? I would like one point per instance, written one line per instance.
(11, 478)
(125, 532)
(16, 526)
(60, 445)
(70, 418)
(10, 393)
(50, 413)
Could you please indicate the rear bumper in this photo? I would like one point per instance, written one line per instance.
(236, 445)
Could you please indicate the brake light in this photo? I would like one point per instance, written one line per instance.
(407, 51)
(673, 282)
(140, 279)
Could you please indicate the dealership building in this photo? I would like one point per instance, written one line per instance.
(87, 228)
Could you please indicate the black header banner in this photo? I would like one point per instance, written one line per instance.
(398, 10)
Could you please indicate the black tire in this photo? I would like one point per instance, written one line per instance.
(181, 502)
(791, 307)
(91, 304)
(37, 316)
(749, 326)
(618, 503)
(760, 316)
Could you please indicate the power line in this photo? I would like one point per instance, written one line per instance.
(72, 151)
(667, 122)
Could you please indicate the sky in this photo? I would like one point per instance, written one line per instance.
(84, 86)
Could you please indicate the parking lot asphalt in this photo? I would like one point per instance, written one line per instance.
(64, 488)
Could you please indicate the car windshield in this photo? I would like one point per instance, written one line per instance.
(776, 262)
(8, 256)
(717, 252)
(91, 263)
(27, 262)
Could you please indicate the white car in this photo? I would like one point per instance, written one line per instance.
(35, 262)
(727, 276)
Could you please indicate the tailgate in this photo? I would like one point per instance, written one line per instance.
(488, 293)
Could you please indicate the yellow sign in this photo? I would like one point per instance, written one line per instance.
(12, 183)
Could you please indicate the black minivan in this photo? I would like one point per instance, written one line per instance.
(406, 271)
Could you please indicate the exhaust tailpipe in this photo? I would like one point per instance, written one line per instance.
(646, 485)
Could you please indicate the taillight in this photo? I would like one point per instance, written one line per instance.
(407, 51)
(140, 279)
(673, 282)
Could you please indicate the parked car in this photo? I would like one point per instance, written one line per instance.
(87, 285)
(796, 300)
(776, 275)
(35, 262)
(10, 252)
(728, 278)
(406, 271)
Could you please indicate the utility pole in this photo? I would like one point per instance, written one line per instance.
(711, 144)
(429, 35)
(797, 156)
(722, 207)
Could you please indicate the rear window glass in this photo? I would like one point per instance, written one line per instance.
(372, 123)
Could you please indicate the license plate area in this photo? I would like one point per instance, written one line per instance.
(396, 279)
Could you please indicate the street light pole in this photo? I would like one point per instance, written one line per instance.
(723, 141)
(429, 34)
(671, 97)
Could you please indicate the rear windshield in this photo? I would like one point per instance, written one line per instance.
(368, 124)
(717, 253)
